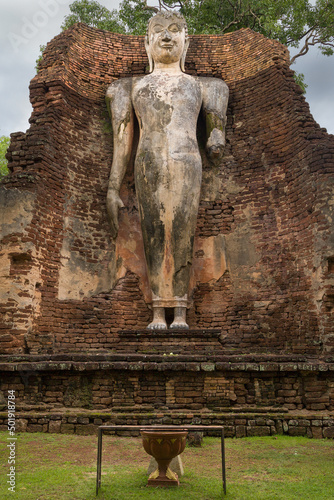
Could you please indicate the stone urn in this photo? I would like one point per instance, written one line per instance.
(164, 445)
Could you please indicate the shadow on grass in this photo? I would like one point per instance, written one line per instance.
(134, 487)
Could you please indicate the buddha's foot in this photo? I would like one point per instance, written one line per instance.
(157, 325)
(180, 325)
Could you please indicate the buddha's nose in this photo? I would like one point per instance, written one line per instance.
(166, 36)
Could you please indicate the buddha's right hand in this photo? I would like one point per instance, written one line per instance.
(114, 203)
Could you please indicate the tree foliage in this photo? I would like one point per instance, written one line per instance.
(92, 13)
(295, 23)
(4, 143)
(135, 15)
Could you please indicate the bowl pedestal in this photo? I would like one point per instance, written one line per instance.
(164, 445)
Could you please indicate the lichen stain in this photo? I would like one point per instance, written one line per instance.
(129, 252)
(16, 210)
(209, 261)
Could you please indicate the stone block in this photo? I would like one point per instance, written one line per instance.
(195, 439)
(328, 432)
(317, 432)
(279, 427)
(298, 431)
(229, 431)
(86, 430)
(34, 428)
(82, 420)
(240, 431)
(315, 406)
(55, 426)
(21, 424)
(262, 430)
(67, 429)
(240, 421)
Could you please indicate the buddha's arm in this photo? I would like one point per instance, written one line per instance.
(119, 105)
(215, 99)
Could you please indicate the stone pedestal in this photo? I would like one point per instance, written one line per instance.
(176, 466)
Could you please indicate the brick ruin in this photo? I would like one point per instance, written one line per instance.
(259, 355)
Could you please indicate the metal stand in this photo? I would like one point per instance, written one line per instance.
(199, 428)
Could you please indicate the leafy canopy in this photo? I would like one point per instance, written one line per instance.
(295, 23)
(92, 13)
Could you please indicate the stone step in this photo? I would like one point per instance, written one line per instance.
(236, 424)
(169, 341)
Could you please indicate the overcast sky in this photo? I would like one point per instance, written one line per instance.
(27, 24)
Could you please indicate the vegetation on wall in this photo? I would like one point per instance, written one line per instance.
(4, 143)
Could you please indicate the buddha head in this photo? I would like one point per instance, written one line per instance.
(166, 40)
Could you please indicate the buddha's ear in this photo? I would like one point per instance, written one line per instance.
(148, 52)
(184, 53)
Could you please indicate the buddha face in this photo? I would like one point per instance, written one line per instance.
(166, 41)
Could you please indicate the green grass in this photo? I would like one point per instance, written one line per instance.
(63, 467)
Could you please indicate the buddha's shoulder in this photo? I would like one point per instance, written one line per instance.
(119, 86)
(211, 82)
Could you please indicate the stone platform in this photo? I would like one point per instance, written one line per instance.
(237, 423)
(73, 303)
(171, 377)
(188, 342)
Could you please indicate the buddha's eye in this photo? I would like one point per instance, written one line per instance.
(174, 28)
(158, 28)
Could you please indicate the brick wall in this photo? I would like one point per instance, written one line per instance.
(138, 382)
(250, 395)
(266, 207)
(235, 424)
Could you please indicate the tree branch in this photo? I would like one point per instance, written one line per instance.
(148, 7)
(309, 31)
(163, 4)
(304, 49)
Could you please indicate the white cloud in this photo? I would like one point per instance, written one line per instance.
(24, 26)
(319, 76)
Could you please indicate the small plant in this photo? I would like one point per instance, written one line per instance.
(4, 143)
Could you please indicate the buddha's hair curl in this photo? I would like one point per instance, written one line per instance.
(167, 14)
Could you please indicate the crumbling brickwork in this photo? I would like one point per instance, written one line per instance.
(155, 382)
(265, 218)
(262, 284)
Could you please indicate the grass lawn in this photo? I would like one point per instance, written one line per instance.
(63, 467)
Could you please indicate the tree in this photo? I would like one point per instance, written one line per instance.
(4, 143)
(135, 15)
(92, 13)
(295, 23)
